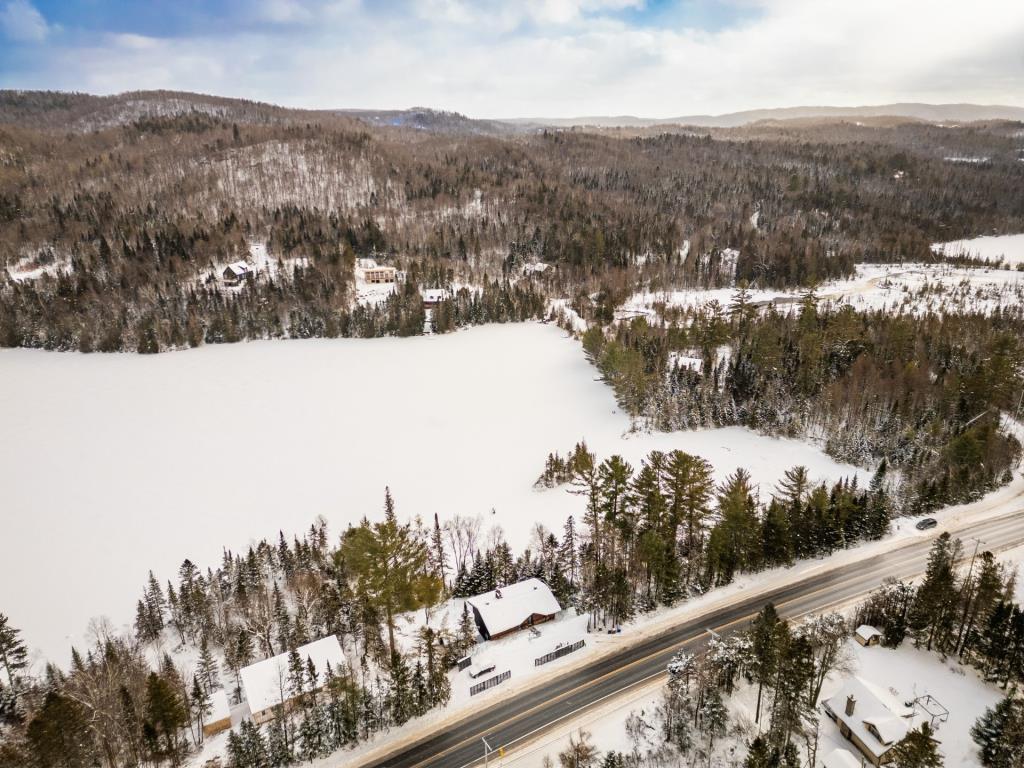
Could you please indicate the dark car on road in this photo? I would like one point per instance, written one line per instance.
(928, 522)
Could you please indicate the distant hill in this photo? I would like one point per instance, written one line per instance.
(929, 112)
(85, 112)
(425, 119)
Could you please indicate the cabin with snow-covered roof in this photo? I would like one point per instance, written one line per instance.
(267, 683)
(509, 609)
(235, 273)
(871, 718)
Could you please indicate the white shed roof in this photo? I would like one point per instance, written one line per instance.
(517, 603)
(219, 709)
(238, 268)
(266, 682)
(840, 758)
(866, 632)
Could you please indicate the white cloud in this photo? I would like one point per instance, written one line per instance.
(499, 59)
(20, 21)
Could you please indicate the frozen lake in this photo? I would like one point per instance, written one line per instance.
(111, 465)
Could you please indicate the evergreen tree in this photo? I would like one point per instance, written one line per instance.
(165, 716)
(919, 749)
(13, 653)
(59, 734)
(999, 734)
(201, 707)
(390, 564)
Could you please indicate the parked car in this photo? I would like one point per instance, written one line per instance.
(481, 668)
(928, 522)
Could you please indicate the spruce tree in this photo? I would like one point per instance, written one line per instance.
(999, 734)
(918, 749)
(13, 653)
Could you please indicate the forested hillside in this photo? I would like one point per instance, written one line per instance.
(118, 206)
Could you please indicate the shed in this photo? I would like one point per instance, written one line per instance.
(516, 606)
(219, 718)
(867, 635)
(266, 682)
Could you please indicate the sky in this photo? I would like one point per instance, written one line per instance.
(525, 58)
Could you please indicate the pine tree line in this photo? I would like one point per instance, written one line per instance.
(922, 394)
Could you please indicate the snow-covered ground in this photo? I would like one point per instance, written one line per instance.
(914, 288)
(905, 672)
(29, 268)
(1009, 248)
(263, 265)
(114, 464)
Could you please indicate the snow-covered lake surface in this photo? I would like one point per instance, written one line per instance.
(993, 247)
(112, 465)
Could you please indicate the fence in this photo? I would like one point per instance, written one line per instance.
(558, 653)
(464, 662)
(496, 680)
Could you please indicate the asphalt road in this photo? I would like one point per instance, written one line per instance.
(513, 721)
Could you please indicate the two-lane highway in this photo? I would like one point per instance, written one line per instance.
(511, 722)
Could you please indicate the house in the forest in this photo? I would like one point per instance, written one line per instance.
(268, 683)
(433, 296)
(235, 273)
(219, 717)
(871, 718)
(372, 272)
(509, 609)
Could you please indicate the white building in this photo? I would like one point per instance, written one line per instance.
(870, 717)
(266, 683)
(517, 606)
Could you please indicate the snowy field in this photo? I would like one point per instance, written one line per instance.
(913, 288)
(1009, 248)
(115, 464)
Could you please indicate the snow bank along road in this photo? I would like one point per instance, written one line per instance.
(515, 721)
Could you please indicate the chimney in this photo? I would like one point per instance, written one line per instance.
(851, 702)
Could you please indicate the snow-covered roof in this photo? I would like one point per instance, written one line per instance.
(219, 708)
(875, 706)
(237, 268)
(840, 758)
(433, 295)
(866, 632)
(266, 682)
(889, 727)
(516, 603)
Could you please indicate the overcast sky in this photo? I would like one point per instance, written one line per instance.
(551, 58)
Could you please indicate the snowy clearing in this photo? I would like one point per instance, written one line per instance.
(1009, 248)
(912, 288)
(268, 435)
